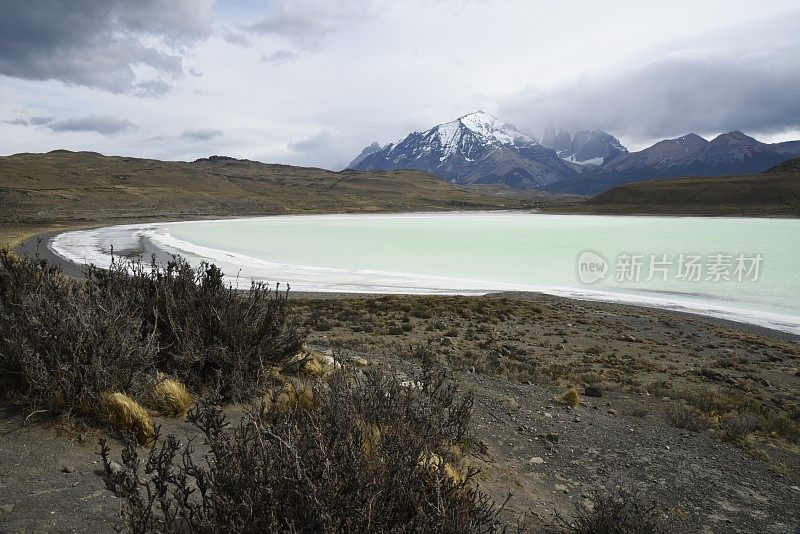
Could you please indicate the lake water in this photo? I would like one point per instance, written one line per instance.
(738, 268)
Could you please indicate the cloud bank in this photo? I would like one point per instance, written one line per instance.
(201, 134)
(115, 45)
(102, 124)
(701, 91)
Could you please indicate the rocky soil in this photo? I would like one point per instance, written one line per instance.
(659, 396)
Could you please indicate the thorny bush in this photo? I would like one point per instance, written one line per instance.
(369, 455)
(63, 341)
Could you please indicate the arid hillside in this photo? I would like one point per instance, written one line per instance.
(773, 193)
(61, 188)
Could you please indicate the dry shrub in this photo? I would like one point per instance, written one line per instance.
(350, 463)
(617, 511)
(682, 415)
(171, 398)
(210, 335)
(125, 415)
(65, 342)
(570, 397)
(737, 426)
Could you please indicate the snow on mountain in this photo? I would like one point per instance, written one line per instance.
(588, 147)
(689, 155)
(475, 148)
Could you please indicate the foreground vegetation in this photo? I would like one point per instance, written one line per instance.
(322, 447)
(353, 454)
(100, 347)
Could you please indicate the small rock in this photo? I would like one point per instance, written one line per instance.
(552, 437)
(6, 509)
(67, 469)
(536, 460)
(612, 411)
(795, 488)
(548, 415)
(115, 467)
(562, 488)
(630, 338)
(592, 391)
(577, 420)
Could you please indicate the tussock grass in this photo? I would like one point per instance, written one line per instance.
(125, 415)
(171, 398)
(570, 397)
(289, 396)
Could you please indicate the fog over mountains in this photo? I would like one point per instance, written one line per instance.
(480, 148)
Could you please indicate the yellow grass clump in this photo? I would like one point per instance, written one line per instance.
(320, 365)
(570, 397)
(370, 436)
(435, 462)
(125, 414)
(171, 398)
(314, 368)
(290, 396)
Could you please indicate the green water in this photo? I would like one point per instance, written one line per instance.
(473, 252)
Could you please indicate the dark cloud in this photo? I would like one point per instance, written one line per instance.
(235, 38)
(280, 56)
(201, 134)
(101, 43)
(19, 121)
(103, 124)
(39, 121)
(306, 23)
(697, 91)
(31, 121)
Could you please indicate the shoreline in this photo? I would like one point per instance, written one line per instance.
(70, 268)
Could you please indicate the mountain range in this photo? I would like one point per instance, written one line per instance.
(479, 148)
(475, 148)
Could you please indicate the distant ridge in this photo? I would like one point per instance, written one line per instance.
(479, 148)
(775, 192)
(732, 153)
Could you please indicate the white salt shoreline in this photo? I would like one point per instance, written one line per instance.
(92, 246)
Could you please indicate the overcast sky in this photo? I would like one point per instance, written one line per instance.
(312, 82)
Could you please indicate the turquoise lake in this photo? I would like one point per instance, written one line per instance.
(739, 268)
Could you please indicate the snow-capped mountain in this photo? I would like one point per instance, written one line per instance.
(690, 155)
(479, 148)
(475, 148)
(587, 147)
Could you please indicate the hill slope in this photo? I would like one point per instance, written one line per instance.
(61, 187)
(772, 193)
